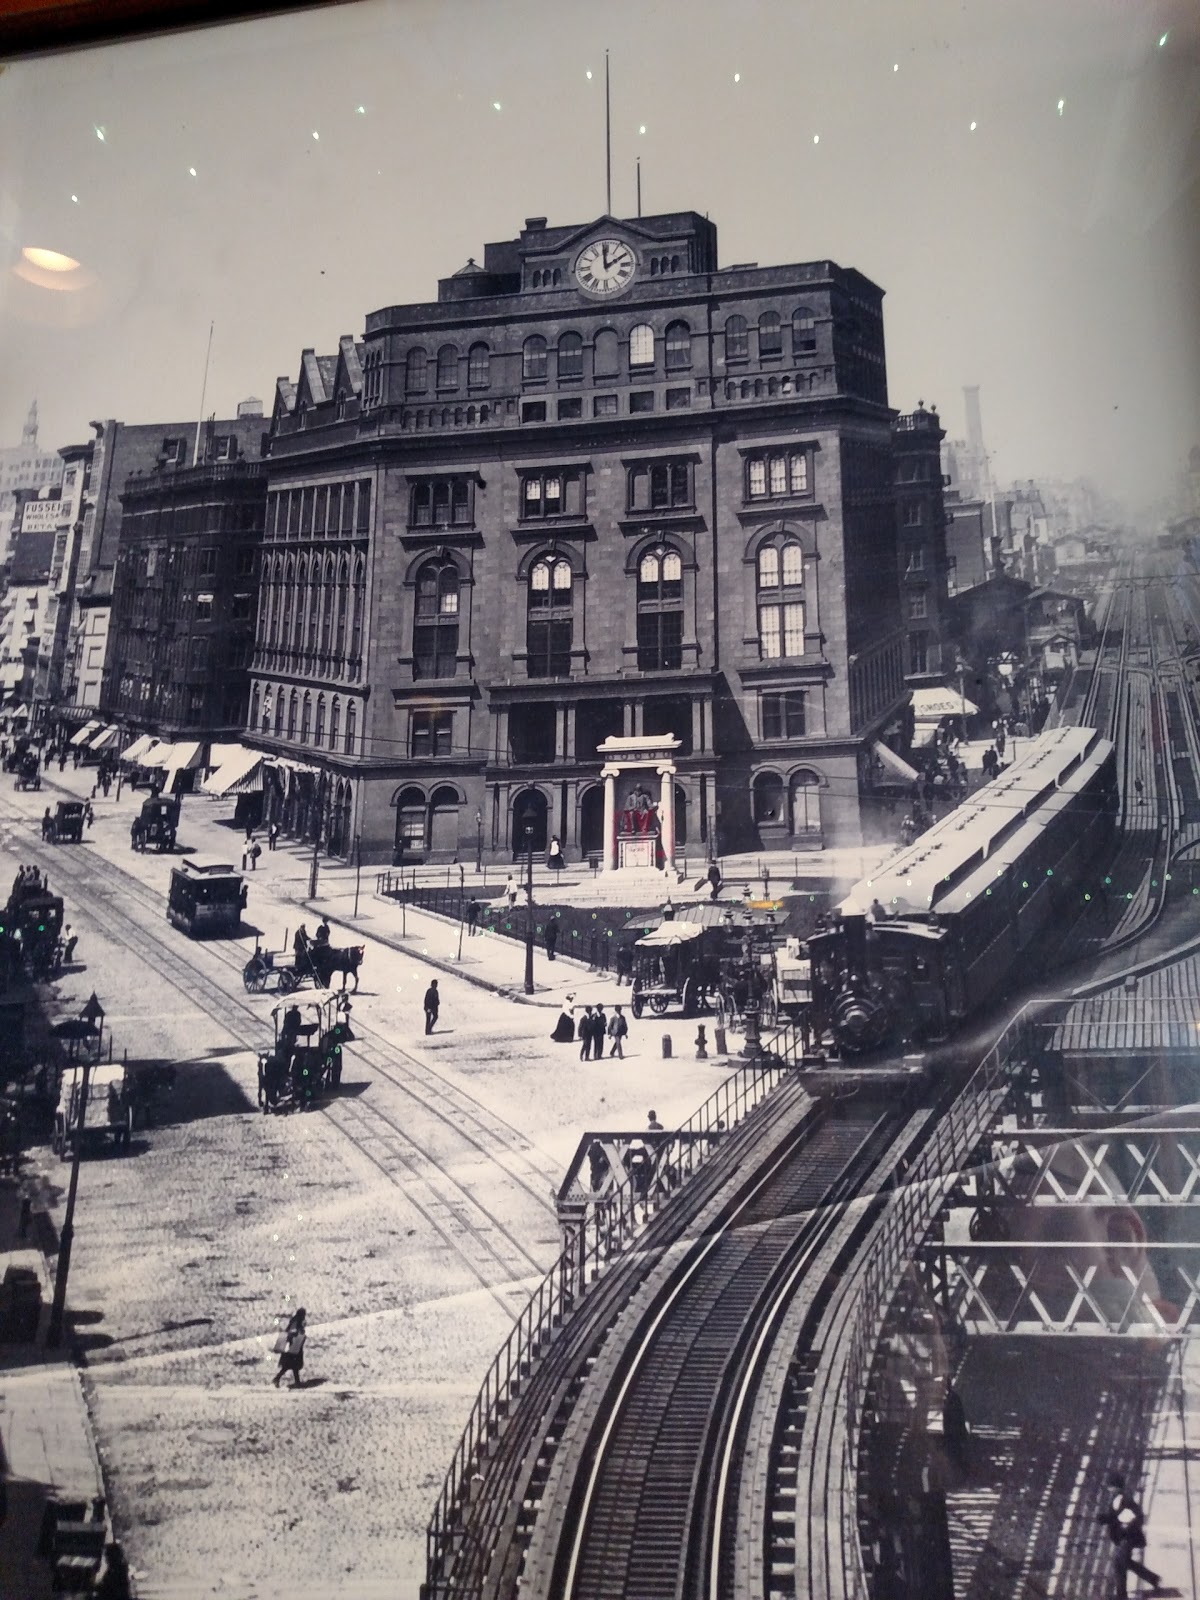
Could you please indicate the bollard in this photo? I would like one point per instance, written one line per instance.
(701, 1052)
(666, 1046)
(719, 1036)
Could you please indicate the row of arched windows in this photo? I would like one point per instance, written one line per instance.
(312, 606)
(447, 373)
(770, 335)
(290, 715)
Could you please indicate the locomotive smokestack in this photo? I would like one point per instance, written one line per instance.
(854, 933)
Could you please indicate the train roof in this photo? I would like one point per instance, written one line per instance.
(952, 861)
(203, 871)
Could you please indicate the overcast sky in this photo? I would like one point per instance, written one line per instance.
(1020, 176)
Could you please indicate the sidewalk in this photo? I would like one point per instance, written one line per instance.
(46, 1444)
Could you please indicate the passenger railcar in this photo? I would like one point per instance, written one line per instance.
(916, 949)
(206, 900)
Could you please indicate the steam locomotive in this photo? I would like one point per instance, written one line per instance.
(945, 925)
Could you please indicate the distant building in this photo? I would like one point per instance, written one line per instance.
(24, 469)
(921, 535)
(599, 488)
(185, 588)
(966, 542)
(26, 611)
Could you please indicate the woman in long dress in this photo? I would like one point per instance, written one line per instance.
(564, 1030)
(555, 860)
(291, 1355)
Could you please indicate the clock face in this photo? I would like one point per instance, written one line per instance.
(606, 266)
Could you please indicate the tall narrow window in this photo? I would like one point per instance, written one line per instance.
(534, 359)
(781, 600)
(314, 605)
(447, 367)
(360, 602)
(299, 596)
(678, 346)
(479, 367)
(804, 332)
(351, 726)
(328, 599)
(549, 624)
(660, 611)
(435, 625)
(319, 730)
(737, 339)
(279, 715)
(641, 345)
(606, 359)
(343, 604)
(335, 722)
(570, 356)
(416, 376)
(305, 718)
(770, 335)
(292, 704)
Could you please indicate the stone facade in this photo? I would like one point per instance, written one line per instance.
(598, 489)
(921, 529)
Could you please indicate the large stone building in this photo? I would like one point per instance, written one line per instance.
(26, 470)
(600, 492)
(924, 567)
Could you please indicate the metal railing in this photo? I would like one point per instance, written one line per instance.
(456, 1555)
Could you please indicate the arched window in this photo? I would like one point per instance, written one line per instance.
(805, 792)
(549, 621)
(660, 611)
(770, 335)
(781, 599)
(292, 702)
(314, 604)
(570, 356)
(351, 726)
(641, 345)
(279, 715)
(416, 373)
(328, 599)
(319, 731)
(360, 601)
(606, 358)
(335, 722)
(305, 717)
(534, 360)
(479, 367)
(299, 596)
(343, 603)
(804, 332)
(679, 346)
(768, 797)
(447, 367)
(435, 621)
(737, 339)
(254, 697)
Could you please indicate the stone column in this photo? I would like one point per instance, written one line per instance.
(609, 774)
(666, 815)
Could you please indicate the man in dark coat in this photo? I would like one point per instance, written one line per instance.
(432, 1005)
(599, 1030)
(585, 1034)
(1126, 1528)
(551, 937)
(714, 880)
(472, 918)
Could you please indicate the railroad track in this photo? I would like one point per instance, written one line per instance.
(475, 1233)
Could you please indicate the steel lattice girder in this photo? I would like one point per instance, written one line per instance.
(1136, 1289)
(1153, 1165)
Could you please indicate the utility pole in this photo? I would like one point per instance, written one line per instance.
(529, 908)
(92, 1011)
(357, 870)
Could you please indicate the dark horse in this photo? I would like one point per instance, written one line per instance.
(327, 959)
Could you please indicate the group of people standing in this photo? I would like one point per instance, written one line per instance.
(593, 1028)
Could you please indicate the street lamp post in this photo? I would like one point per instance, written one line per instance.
(528, 819)
(479, 841)
(93, 1012)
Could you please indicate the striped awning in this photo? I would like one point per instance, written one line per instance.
(157, 754)
(138, 748)
(185, 755)
(105, 738)
(241, 774)
(85, 733)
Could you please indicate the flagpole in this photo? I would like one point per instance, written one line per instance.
(607, 143)
(203, 393)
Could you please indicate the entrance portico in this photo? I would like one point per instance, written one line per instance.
(637, 828)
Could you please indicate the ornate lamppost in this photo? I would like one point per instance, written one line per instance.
(528, 817)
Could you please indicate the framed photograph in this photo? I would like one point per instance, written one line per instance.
(600, 671)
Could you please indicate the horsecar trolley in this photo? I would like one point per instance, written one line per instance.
(206, 900)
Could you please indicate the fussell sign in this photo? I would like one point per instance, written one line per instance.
(43, 516)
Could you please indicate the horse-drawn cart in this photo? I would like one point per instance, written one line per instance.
(305, 1060)
(28, 772)
(282, 971)
(66, 824)
(157, 824)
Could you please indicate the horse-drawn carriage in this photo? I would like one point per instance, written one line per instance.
(283, 971)
(305, 1060)
(106, 1116)
(13, 757)
(718, 962)
(66, 825)
(157, 824)
(28, 772)
(206, 899)
(32, 923)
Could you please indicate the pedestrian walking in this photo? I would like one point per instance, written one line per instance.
(472, 918)
(245, 856)
(1137, 787)
(510, 891)
(272, 835)
(432, 1004)
(714, 880)
(255, 852)
(599, 1030)
(554, 858)
(290, 1348)
(624, 964)
(551, 937)
(585, 1034)
(89, 816)
(618, 1030)
(1126, 1524)
(564, 1028)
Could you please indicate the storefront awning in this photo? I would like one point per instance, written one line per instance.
(241, 774)
(138, 748)
(929, 705)
(156, 754)
(669, 933)
(105, 739)
(185, 755)
(85, 733)
(896, 765)
(218, 754)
